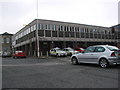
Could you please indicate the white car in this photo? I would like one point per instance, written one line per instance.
(104, 55)
(70, 51)
(57, 52)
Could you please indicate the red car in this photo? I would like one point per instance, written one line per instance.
(79, 49)
(19, 54)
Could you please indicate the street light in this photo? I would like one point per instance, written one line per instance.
(37, 39)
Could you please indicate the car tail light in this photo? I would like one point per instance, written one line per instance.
(113, 54)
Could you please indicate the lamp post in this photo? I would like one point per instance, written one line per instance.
(37, 39)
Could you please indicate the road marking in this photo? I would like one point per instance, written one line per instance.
(44, 64)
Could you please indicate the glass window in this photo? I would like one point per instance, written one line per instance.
(67, 28)
(112, 48)
(7, 40)
(34, 27)
(24, 32)
(59, 28)
(40, 26)
(31, 28)
(53, 27)
(46, 26)
(99, 49)
(89, 50)
(82, 29)
(72, 28)
(49, 28)
(2, 40)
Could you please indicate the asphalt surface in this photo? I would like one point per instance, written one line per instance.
(55, 72)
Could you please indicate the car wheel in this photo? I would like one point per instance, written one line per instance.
(57, 55)
(70, 54)
(74, 61)
(103, 63)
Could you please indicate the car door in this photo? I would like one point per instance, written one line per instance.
(87, 55)
(99, 51)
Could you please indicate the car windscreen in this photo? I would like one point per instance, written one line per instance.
(70, 49)
(58, 50)
(111, 48)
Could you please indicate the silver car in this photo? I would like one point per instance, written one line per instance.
(104, 55)
(70, 51)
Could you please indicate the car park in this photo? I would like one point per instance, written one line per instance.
(19, 54)
(104, 55)
(70, 51)
(57, 52)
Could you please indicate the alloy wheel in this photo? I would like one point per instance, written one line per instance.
(103, 63)
(74, 61)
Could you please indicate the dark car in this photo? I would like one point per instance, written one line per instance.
(19, 54)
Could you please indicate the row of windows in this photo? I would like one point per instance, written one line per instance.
(48, 33)
(61, 28)
(5, 40)
(69, 28)
(25, 32)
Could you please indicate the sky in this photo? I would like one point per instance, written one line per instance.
(14, 14)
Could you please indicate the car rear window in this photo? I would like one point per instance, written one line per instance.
(111, 48)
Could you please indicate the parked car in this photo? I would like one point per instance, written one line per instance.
(79, 49)
(70, 51)
(19, 54)
(6, 54)
(104, 55)
(57, 52)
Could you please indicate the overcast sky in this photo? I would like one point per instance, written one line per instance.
(15, 13)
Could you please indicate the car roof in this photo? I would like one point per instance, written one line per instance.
(103, 46)
(56, 48)
(68, 48)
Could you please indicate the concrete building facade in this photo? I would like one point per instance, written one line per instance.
(6, 44)
(39, 36)
(116, 31)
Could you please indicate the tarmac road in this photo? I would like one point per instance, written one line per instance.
(55, 72)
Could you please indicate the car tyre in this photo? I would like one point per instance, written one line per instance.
(57, 54)
(103, 63)
(74, 61)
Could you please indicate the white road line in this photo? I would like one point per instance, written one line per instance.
(45, 64)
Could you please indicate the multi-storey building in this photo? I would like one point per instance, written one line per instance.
(5, 44)
(116, 31)
(39, 36)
